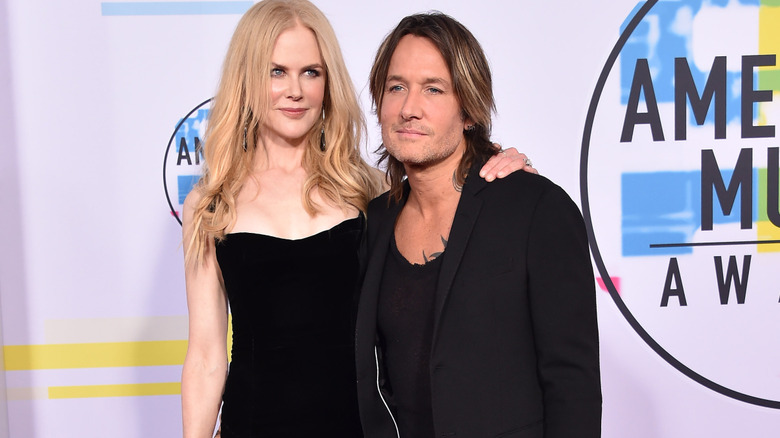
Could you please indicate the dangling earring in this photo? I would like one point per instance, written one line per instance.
(322, 132)
(246, 128)
(245, 125)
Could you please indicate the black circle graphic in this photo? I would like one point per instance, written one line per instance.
(586, 137)
(165, 158)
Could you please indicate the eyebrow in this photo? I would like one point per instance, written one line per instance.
(427, 81)
(307, 67)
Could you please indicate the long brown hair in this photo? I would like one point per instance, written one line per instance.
(472, 82)
(242, 101)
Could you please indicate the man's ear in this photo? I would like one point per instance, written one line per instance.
(468, 124)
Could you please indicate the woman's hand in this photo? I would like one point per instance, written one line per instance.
(506, 162)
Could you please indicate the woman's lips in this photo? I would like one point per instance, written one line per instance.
(294, 113)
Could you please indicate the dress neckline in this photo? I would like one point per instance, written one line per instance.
(344, 223)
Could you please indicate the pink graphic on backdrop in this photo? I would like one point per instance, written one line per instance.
(614, 280)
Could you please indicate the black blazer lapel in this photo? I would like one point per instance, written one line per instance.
(378, 245)
(466, 216)
(378, 240)
(373, 413)
(377, 252)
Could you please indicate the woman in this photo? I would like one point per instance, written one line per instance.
(273, 228)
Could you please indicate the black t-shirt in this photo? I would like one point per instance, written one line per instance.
(405, 320)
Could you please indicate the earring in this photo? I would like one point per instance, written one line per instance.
(246, 128)
(245, 124)
(322, 132)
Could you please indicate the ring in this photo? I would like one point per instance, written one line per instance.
(528, 162)
(502, 152)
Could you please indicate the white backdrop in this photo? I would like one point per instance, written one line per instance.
(91, 283)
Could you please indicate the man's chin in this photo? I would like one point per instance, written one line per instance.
(420, 163)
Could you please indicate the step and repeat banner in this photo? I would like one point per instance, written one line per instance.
(658, 117)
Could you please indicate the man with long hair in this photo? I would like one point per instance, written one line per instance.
(477, 316)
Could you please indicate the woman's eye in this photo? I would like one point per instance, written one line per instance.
(313, 73)
(277, 72)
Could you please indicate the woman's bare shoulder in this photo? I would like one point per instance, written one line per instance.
(191, 203)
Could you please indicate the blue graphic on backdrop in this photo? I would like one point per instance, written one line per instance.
(691, 65)
(183, 161)
(190, 130)
(189, 150)
(671, 213)
(667, 30)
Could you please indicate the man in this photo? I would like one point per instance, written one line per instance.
(477, 314)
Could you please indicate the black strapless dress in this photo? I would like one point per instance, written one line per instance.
(292, 372)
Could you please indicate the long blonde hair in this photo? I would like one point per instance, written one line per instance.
(241, 103)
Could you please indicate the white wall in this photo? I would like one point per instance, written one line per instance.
(91, 254)
(9, 197)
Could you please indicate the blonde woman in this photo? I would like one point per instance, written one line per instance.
(272, 231)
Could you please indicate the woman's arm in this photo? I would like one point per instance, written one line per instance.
(205, 366)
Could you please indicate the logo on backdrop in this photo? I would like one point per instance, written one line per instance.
(679, 185)
(184, 157)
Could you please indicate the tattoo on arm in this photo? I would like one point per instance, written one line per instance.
(438, 253)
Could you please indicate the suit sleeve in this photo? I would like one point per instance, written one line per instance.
(563, 306)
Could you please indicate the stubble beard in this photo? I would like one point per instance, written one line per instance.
(423, 153)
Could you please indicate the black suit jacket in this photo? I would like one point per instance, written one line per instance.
(515, 341)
